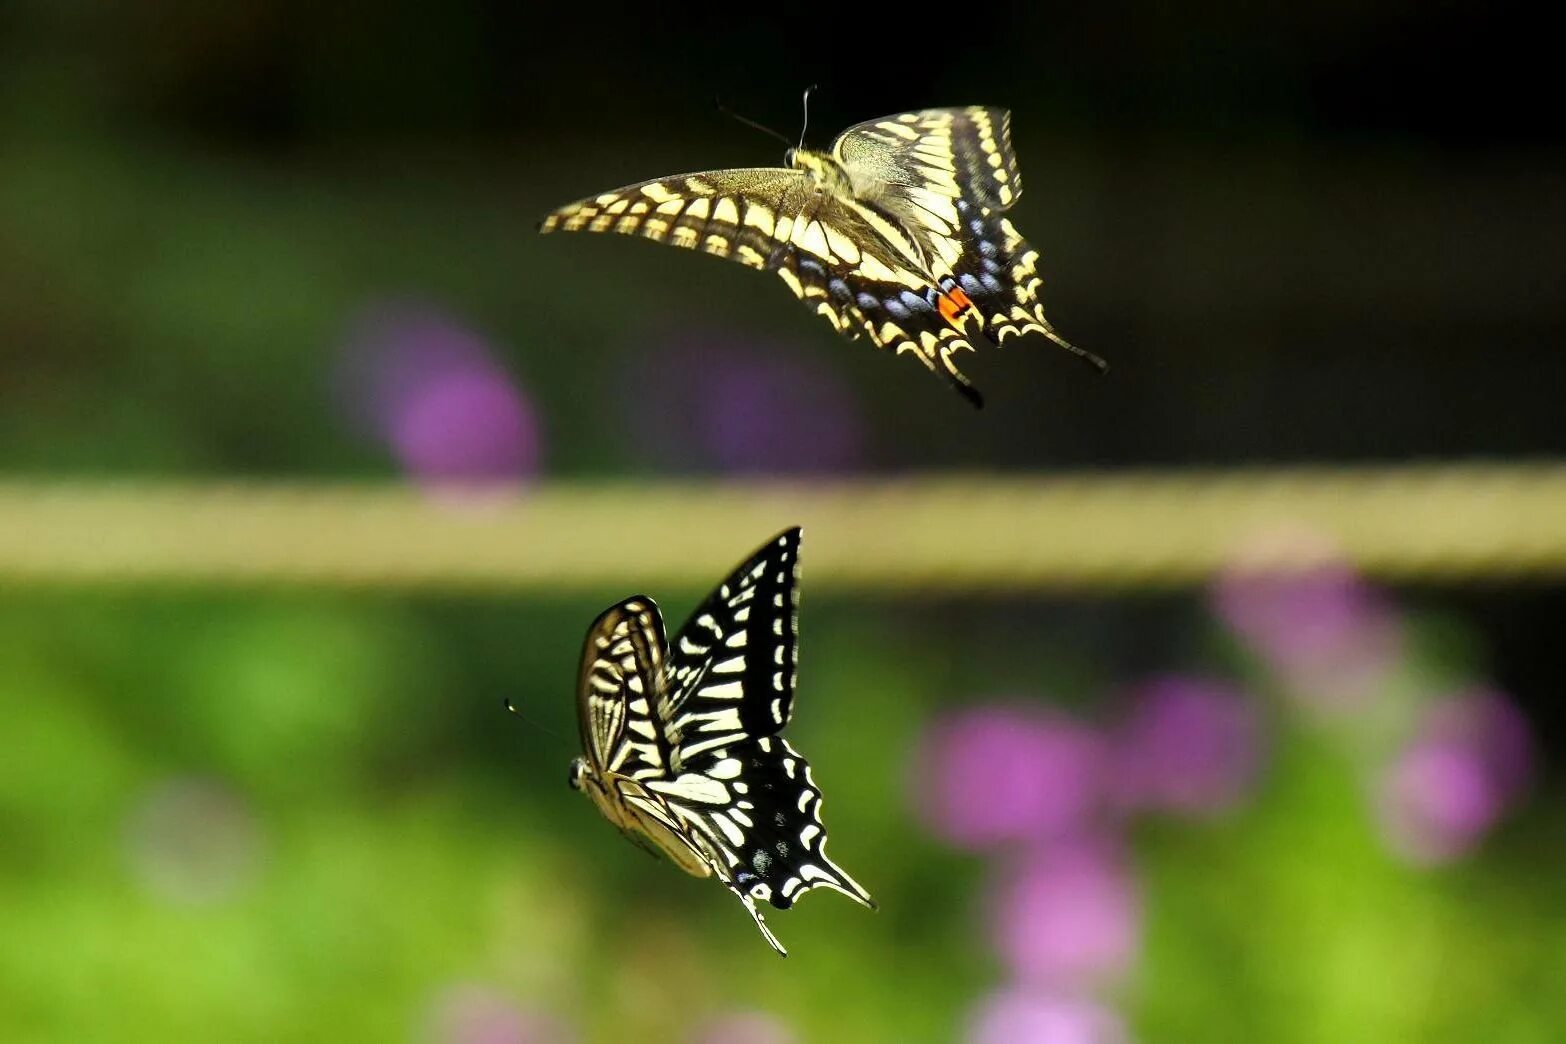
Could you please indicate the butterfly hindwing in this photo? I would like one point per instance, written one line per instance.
(901, 312)
(781, 851)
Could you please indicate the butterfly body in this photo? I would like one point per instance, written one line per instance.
(896, 234)
(681, 745)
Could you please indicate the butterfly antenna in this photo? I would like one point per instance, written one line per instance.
(763, 128)
(806, 103)
(506, 703)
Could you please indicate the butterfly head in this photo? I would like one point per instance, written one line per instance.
(579, 773)
(819, 165)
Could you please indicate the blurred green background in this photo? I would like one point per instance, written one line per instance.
(280, 240)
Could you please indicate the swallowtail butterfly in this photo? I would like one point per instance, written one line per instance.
(682, 745)
(897, 233)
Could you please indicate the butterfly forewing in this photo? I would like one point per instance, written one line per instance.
(732, 665)
(622, 664)
(727, 213)
(925, 157)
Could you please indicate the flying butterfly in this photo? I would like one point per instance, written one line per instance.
(681, 742)
(897, 233)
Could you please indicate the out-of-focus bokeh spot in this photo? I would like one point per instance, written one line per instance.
(1064, 915)
(1008, 772)
(193, 841)
(1189, 744)
(737, 404)
(470, 1013)
(745, 1027)
(1326, 632)
(1466, 764)
(438, 397)
(1027, 1016)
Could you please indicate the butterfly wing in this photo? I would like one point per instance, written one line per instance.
(734, 783)
(622, 665)
(884, 296)
(732, 665)
(946, 177)
(918, 163)
(622, 670)
(735, 214)
(999, 274)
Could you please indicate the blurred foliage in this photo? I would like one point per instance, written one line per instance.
(414, 836)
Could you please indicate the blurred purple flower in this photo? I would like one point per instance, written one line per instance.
(1067, 915)
(435, 393)
(1491, 723)
(1189, 745)
(193, 840)
(1004, 773)
(468, 1013)
(1017, 1016)
(745, 1027)
(1468, 761)
(729, 403)
(1328, 632)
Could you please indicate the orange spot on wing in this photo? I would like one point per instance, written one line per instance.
(952, 305)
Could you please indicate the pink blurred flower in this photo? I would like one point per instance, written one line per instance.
(1019, 1016)
(1067, 915)
(438, 396)
(736, 405)
(746, 1027)
(1003, 773)
(1490, 722)
(1189, 744)
(469, 1013)
(193, 840)
(1330, 634)
(1469, 760)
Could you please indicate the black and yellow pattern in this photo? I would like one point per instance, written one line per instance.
(681, 742)
(895, 234)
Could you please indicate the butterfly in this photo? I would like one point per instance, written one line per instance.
(897, 233)
(681, 742)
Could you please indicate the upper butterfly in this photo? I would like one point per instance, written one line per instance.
(681, 744)
(897, 233)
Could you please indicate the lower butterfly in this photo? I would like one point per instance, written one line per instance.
(897, 234)
(681, 744)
